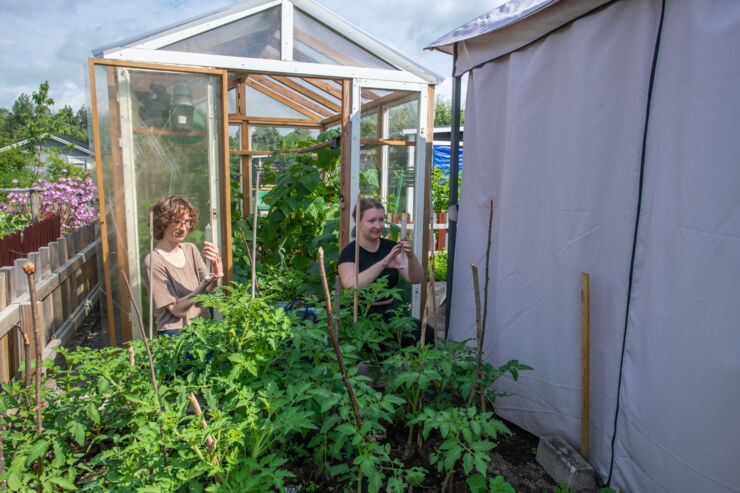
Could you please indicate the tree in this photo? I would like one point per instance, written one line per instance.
(32, 118)
(443, 112)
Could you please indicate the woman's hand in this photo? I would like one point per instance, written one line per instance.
(210, 253)
(392, 260)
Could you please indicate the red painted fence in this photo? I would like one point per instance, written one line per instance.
(35, 236)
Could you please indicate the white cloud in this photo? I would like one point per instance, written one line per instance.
(52, 40)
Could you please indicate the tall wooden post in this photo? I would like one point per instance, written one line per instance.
(585, 360)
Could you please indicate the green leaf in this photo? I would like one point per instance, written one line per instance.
(476, 483)
(63, 482)
(92, 412)
(452, 456)
(77, 431)
(102, 384)
(38, 449)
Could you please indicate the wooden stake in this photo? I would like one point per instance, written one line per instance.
(485, 308)
(357, 257)
(131, 356)
(29, 268)
(210, 443)
(585, 360)
(151, 362)
(254, 234)
(335, 339)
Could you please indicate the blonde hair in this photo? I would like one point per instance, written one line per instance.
(170, 209)
(365, 204)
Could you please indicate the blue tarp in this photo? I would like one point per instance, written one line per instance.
(442, 157)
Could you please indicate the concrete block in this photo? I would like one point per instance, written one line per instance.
(565, 465)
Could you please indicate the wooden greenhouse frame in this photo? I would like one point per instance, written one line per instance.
(333, 93)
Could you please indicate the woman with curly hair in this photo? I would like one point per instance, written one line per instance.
(178, 273)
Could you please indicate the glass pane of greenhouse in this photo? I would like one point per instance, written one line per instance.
(260, 104)
(168, 143)
(256, 36)
(315, 43)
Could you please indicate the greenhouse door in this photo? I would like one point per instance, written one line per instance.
(390, 159)
(158, 130)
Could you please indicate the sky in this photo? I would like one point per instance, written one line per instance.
(52, 39)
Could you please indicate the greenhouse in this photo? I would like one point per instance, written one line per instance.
(195, 108)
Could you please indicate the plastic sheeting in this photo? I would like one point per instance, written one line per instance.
(442, 155)
(554, 135)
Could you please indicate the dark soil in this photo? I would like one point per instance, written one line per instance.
(513, 457)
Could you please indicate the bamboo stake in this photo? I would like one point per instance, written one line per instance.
(585, 360)
(476, 290)
(151, 275)
(151, 363)
(485, 307)
(29, 268)
(27, 363)
(357, 257)
(254, 233)
(246, 246)
(335, 340)
(210, 443)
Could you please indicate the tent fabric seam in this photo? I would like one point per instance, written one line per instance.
(651, 85)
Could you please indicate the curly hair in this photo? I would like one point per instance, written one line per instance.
(171, 209)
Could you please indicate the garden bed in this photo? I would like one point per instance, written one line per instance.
(270, 431)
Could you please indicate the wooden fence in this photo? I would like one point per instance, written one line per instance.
(67, 287)
(33, 237)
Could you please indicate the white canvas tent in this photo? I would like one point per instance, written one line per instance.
(608, 136)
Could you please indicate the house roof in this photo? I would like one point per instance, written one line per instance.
(59, 139)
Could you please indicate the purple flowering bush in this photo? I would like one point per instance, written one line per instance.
(74, 199)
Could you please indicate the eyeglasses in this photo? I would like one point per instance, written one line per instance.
(188, 223)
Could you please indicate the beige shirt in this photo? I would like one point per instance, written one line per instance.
(171, 283)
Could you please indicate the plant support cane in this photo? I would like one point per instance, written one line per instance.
(210, 443)
(357, 258)
(335, 340)
(30, 270)
(3, 484)
(151, 364)
(27, 364)
(476, 290)
(151, 274)
(254, 234)
(485, 309)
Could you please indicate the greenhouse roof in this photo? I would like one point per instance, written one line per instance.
(272, 36)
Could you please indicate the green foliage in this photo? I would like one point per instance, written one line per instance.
(12, 223)
(272, 396)
(303, 215)
(467, 436)
(440, 266)
(443, 112)
(441, 189)
(31, 118)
